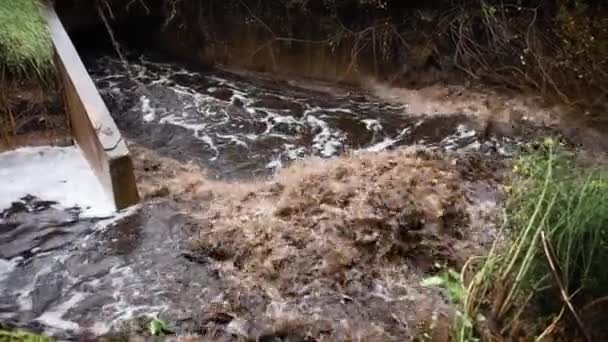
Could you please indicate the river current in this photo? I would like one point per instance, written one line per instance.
(71, 275)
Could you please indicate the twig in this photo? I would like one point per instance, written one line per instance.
(141, 2)
(556, 272)
(111, 33)
(549, 330)
(260, 21)
(594, 303)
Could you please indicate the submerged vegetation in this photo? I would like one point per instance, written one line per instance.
(549, 270)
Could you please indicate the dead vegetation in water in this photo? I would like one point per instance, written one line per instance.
(330, 249)
(320, 222)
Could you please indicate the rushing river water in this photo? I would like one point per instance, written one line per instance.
(240, 127)
(70, 275)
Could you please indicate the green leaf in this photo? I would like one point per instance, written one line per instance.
(450, 281)
(433, 281)
(157, 327)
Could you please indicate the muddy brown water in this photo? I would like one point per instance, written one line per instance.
(72, 277)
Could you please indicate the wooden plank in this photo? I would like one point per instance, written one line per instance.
(93, 128)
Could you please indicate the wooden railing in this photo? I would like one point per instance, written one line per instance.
(92, 127)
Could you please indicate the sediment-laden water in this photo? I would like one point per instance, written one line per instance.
(71, 276)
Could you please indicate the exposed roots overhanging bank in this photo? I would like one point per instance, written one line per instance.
(554, 47)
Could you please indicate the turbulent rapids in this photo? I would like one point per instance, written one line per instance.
(216, 153)
(240, 126)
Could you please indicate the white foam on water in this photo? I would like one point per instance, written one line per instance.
(251, 136)
(294, 152)
(24, 298)
(386, 143)
(6, 268)
(381, 146)
(163, 79)
(181, 120)
(209, 141)
(233, 139)
(104, 224)
(372, 125)
(53, 318)
(99, 328)
(241, 96)
(24, 295)
(462, 132)
(149, 112)
(123, 309)
(58, 174)
(275, 164)
(276, 118)
(326, 142)
(337, 110)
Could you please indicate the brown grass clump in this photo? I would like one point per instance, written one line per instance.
(326, 218)
(328, 248)
(323, 221)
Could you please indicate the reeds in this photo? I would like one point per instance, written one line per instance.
(553, 248)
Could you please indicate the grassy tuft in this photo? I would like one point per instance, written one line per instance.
(22, 336)
(570, 203)
(25, 46)
(553, 201)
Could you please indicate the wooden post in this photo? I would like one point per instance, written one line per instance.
(93, 128)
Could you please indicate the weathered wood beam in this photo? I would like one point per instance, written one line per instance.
(93, 129)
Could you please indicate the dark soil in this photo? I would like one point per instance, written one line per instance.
(31, 115)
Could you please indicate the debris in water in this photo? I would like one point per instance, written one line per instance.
(331, 248)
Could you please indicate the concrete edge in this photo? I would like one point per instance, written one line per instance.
(93, 129)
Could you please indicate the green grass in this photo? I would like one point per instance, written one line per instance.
(551, 194)
(25, 46)
(22, 336)
(569, 203)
